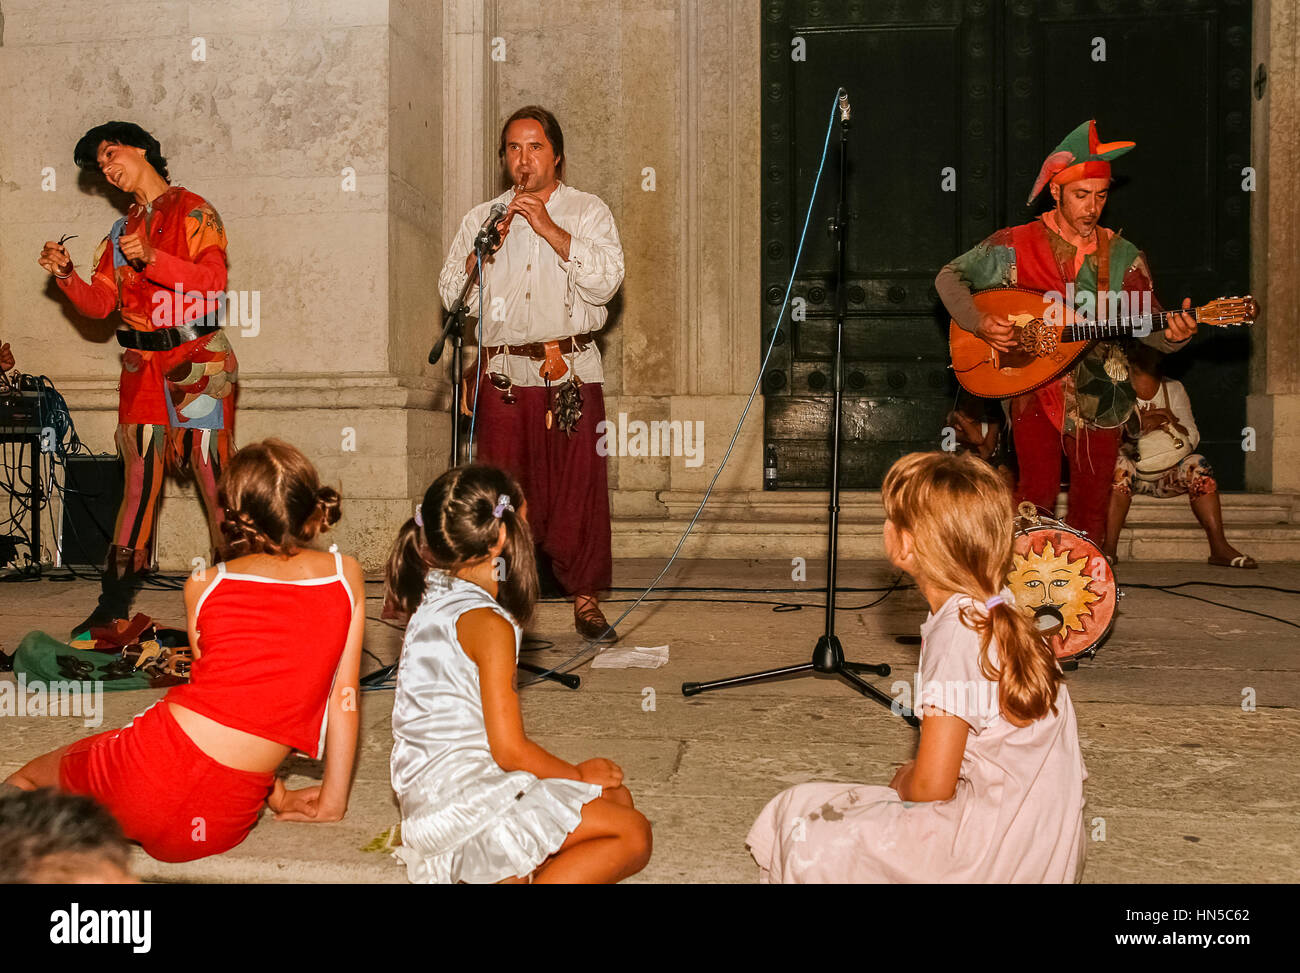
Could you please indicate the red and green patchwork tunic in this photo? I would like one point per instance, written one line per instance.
(176, 408)
(190, 386)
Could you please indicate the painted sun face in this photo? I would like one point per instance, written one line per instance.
(1053, 579)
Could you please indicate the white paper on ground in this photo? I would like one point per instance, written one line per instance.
(634, 657)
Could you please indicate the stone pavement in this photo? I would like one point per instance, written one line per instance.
(1186, 785)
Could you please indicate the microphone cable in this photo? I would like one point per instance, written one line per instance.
(478, 360)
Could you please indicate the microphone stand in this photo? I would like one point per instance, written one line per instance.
(828, 654)
(454, 328)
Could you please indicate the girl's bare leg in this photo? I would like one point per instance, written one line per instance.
(41, 772)
(619, 795)
(612, 842)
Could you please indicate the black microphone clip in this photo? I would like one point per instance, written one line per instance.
(489, 236)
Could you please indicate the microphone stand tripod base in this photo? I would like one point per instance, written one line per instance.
(827, 658)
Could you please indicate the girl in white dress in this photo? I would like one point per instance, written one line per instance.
(480, 801)
(995, 793)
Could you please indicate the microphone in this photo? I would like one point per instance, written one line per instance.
(844, 105)
(489, 235)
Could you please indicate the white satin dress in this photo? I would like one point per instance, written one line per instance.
(464, 819)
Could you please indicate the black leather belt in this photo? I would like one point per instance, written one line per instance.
(165, 339)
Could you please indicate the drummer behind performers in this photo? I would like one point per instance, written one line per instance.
(176, 405)
(1083, 412)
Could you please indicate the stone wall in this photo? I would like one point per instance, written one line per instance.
(315, 131)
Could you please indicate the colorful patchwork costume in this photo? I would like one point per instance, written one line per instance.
(176, 408)
(1084, 412)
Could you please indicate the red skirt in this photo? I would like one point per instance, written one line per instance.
(165, 792)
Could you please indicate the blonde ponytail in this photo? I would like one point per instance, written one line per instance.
(959, 512)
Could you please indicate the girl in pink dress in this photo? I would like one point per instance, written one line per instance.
(995, 793)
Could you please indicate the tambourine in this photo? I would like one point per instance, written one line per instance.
(1064, 579)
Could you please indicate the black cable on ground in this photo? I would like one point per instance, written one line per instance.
(1168, 589)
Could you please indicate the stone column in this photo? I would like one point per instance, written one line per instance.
(470, 117)
(1273, 408)
(718, 335)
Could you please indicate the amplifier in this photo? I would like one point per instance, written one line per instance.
(92, 492)
(20, 413)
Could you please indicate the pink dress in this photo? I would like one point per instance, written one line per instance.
(1016, 816)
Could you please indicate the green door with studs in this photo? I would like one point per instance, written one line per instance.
(954, 105)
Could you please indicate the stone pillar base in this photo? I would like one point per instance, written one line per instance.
(1274, 465)
(377, 440)
(677, 442)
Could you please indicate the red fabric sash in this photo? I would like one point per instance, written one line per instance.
(1037, 269)
(1036, 266)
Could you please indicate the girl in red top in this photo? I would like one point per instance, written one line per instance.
(276, 631)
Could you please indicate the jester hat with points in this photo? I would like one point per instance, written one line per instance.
(1081, 155)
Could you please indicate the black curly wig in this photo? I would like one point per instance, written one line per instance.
(86, 154)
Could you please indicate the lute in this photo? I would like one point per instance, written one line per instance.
(1051, 337)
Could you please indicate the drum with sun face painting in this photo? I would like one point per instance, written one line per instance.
(1062, 577)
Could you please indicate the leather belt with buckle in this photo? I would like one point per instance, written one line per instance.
(165, 339)
(537, 349)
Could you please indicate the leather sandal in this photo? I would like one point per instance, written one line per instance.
(591, 624)
(1244, 561)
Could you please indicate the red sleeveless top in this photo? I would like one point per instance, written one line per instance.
(269, 650)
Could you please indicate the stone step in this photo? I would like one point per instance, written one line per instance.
(793, 505)
(1152, 542)
(752, 524)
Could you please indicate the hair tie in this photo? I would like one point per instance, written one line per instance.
(503, 504)
(419, 520)
(994, 602)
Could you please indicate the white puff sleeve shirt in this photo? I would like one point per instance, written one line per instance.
(531, 295)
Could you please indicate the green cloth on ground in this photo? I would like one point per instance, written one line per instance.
(43, 658)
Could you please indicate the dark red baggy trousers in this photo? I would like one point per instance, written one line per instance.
(563, 478)
(1091, 454)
